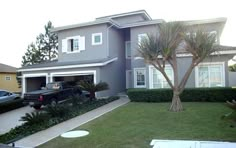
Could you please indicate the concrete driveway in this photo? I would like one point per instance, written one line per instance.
(11, 119)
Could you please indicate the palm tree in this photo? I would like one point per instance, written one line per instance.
(92, 88)
(163, 47)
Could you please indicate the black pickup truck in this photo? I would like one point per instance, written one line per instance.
(51, 94)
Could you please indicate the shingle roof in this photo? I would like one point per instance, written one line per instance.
(7, 68)
(66, 63)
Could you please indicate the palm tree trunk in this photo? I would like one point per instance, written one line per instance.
(92, 96)
(176, 105)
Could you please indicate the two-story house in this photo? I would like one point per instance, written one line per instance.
(106, 50)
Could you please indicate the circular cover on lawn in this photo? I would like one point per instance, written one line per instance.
(74, 134)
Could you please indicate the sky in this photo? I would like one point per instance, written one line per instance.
(22, 20)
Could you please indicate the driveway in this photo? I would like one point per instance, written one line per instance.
(11, 119)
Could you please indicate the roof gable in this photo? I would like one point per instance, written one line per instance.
(7, 69)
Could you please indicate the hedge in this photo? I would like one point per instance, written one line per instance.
(188, 95)
(10, 105)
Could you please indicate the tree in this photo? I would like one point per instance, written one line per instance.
(48, 43)
(232, 68)
(45, 48)
(92, 88)
(32, 56)
(163, 47)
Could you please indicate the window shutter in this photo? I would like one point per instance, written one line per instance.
(64, 45)
(82, 43)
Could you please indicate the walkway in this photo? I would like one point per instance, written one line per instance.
(48, 134)
(191, 144)
(11, 119)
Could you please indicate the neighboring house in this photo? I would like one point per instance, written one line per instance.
(106, 50)
(8, 78)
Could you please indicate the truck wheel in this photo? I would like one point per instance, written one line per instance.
(37, 107)
(53, 102)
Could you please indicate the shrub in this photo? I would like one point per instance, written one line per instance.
(10, 105)
(35, 118)
(188, 95)
(92, 88)
(59, 110)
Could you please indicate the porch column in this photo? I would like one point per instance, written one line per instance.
(23, 86)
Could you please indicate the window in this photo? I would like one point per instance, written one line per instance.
(73, 44)
(128, 49)
(97, 39)
(7, 78)
(158, 80)
(210, 75)
(142, 37)
(215, 34)
(139, 77)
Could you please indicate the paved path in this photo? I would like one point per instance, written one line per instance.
(50, 133)
(10, 119)
(191, 144)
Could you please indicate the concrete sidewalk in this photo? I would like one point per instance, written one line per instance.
(52, 132)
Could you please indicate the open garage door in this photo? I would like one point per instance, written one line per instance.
(35, 83)
(76, 77)
(31, 82)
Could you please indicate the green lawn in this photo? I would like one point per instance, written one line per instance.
(136, 124)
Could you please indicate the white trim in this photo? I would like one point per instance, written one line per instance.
(150, 67)
(135, 78)
(24, 76)
(70, 66)
(126, 14)
(93, 38)
(210, 63)
(8, 77)
(127, 81)
(126, 55)
(190, 55)
(74, 73)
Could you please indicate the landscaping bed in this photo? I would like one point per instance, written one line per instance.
(51, 116)
(136, 124)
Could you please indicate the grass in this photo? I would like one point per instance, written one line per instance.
(136, 124)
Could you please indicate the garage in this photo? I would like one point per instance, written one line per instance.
(74, 76)
(74, 79)
(35, 83)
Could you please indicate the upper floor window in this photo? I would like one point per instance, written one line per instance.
(128, 49)
(96, 38)
(7, 78)
(142, 37)
(73, 44)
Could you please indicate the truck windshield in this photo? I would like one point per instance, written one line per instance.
(53, 86)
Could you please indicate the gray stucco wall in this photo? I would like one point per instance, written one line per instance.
(232, 79)
(90, 50)
(114, 73)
